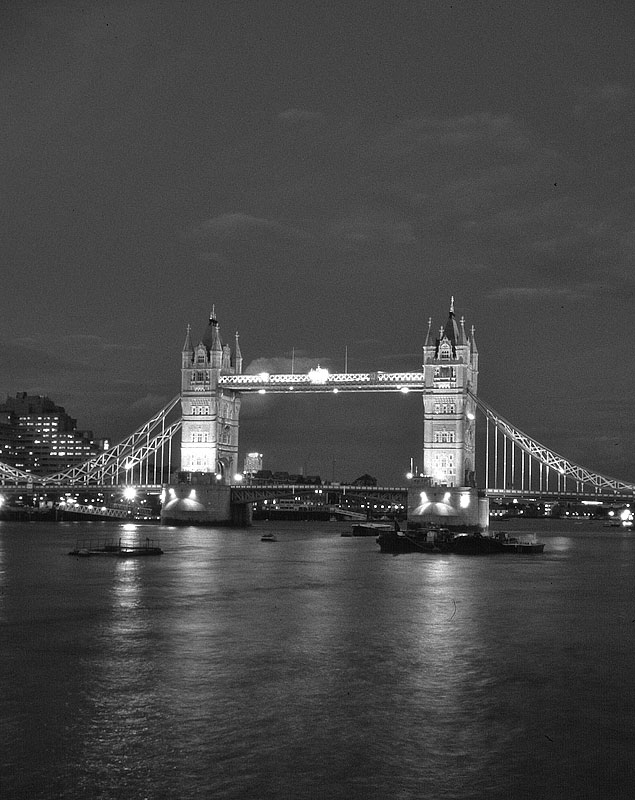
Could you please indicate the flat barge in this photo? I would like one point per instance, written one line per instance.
(146, 547)
(441, 540)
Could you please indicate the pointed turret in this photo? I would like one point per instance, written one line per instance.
(188, 350)
(238, 358)
(473, 346)
(451, 330)
(187, 346)
(212, 341)
(428, 342)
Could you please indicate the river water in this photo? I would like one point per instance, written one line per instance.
(315, 666)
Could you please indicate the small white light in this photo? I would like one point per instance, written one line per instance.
(262, 391)
(404, 390)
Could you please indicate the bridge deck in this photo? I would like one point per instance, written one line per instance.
(322, 381)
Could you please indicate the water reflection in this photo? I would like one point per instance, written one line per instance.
(121, 697)
(318, 667)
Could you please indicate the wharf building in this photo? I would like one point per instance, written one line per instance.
(39, 437)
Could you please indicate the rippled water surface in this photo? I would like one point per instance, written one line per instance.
(315, 667)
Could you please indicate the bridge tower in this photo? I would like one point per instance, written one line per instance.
(444, 492)
(209, 431)
(209, 435)
(450, 364)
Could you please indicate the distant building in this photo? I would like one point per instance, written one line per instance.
(365, 480)
(38, 436)
(252, 464)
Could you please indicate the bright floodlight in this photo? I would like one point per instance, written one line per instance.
(130, 493)
(404, 390)
(318, 375)
(238, 477)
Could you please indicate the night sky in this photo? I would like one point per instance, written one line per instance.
(327, 174)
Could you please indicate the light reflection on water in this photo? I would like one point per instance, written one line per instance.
(315, 667)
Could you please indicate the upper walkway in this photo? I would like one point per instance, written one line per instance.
(321, 380)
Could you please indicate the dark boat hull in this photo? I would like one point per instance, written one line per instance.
(412, 542)
(466, 544)
(475, 544)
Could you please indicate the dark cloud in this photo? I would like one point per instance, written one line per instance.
(328, 181)
(300, 115)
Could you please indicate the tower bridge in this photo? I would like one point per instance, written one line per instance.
(189, 448)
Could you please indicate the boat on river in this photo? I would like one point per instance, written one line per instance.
(513, 545)
(441, 540)
(429, 540)
(119, 549)
(476, 544)
(369, 528)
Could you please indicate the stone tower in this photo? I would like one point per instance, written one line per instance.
(444, 492)
(209, 431)
(450, 364)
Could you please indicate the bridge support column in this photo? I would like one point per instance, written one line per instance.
(196, 504)
(458, 508)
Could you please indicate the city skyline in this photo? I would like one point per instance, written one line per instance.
(327, 176)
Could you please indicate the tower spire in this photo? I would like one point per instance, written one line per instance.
(187, 346)
(427, 341)
(238, 357)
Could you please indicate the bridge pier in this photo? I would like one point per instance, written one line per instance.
(200, 499)
(458, 508)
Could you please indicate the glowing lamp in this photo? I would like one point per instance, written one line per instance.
(318, 375)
